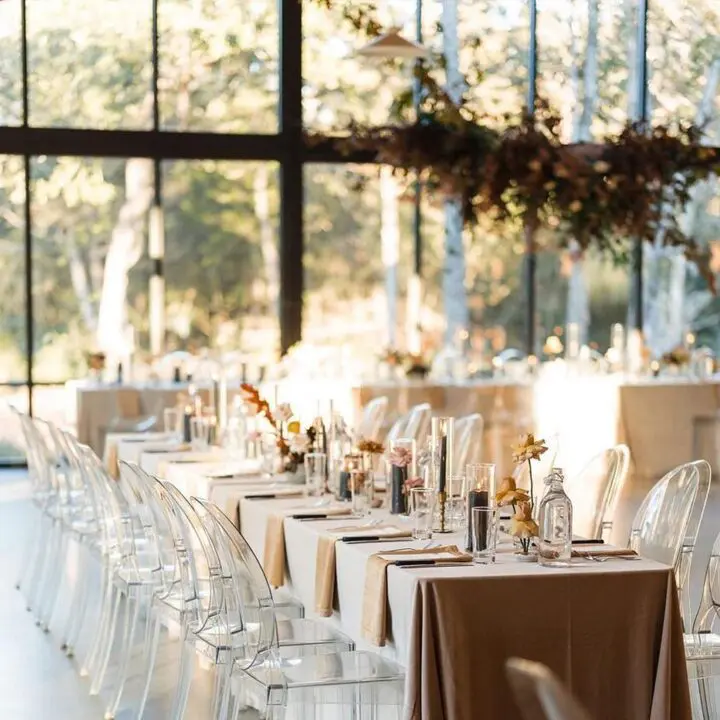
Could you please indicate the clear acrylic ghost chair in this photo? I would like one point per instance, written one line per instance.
(702, 646)
(684, 564)
(468, 441)
(539, 694)
(601, 481)
(44, 498)
(659, 526)
(283, 685)
(219, 632)
(373, 418)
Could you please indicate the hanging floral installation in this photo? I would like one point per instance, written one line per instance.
(603, 195)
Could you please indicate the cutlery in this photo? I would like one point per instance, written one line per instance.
(429, 563)
(588, 541)
(357, 539)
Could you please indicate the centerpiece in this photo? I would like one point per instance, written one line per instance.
(523, 526)
(291, 441)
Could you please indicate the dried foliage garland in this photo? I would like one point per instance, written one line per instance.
(632, 185)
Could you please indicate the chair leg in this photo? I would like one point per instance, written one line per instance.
(79, 615)
(185, 675)
(50, 591)
(41, 566)
(30, 556)
(65, 624)
(221, 694)
(149, 661)
(106, 597)
(106, 645)
(706, 700)
(126, 652)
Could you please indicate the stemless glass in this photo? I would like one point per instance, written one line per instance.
(422, 506)
(361, 490)
(172, 422)
(484, 534)
(315, 473)
(200, 433)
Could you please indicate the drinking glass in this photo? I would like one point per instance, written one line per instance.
(422, 506)
(315, 473)
(172, 422)
(455, 503)
(361, 490)
(200, 433)
(270, 454)
(484, 534)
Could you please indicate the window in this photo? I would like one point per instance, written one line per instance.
(11, 110)
(89, 64)
(221, 245)
(89, 235)
(219, 65)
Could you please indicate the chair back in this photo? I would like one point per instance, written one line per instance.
(709, 608)
(539, 694)
(468, 441)
(660, 525)
(414, 424)
(373, 418)
(249, 586)
(595, 492)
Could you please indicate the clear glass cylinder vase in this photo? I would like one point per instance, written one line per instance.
(442, 444)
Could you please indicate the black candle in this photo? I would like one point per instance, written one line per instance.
(187, 416)
(176, 374)
(344, 485)
(443, 465)
(477, 498)
(398, 478)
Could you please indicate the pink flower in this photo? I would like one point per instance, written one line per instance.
(283, 412)
(415, 482)
(400, 457)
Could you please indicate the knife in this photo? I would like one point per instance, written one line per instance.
(351, 539)
(425, 563)
(588, 541)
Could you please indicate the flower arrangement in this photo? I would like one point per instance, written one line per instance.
(96, 361)
(678, 357)
(523, 526)
(292, 442)
(370, 446)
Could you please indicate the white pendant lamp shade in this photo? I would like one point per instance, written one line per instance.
(393, 45)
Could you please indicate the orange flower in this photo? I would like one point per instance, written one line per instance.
(508, 493)
(528, 449)
(523, 525)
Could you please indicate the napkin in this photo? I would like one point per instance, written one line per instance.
(374, 609)
(111, 461)
(604, 552)
(325, 559)
(274, 557)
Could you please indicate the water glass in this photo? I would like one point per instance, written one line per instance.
(422, 506)
(361, 490)
(172, 421)
(315, 473)
(484, 534)
(200, 433)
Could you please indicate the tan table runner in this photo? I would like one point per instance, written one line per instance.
(374, 609)
(274, 557)
(325, 560)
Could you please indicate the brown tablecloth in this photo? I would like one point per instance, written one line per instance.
(623, 661)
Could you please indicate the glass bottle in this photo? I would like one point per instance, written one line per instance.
(555, 521)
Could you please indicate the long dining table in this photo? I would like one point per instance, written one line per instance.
(611, 630)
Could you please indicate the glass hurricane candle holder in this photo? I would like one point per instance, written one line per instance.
(442, 437)
(480, 484)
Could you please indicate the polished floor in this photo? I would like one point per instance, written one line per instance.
(37, 680)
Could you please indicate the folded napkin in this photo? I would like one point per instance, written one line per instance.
(604, 552)
(325, 559)
(111, 460)
(274, 557)
(374, 609)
